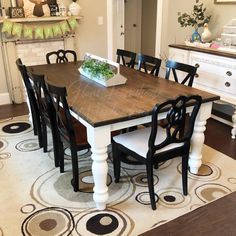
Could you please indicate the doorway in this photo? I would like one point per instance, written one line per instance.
(135, 24)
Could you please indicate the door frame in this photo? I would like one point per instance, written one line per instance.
(111, 29)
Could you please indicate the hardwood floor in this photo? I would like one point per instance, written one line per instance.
(7, 111)
(217, 218)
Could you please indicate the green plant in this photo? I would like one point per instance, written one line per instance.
(98, 69)
(196, 18)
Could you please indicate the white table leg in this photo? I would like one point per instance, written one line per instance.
(99, 138)
(233, 131)
(197, 141)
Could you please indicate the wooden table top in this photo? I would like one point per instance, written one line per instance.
(100, 105)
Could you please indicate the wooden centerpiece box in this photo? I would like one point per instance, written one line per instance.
(102, 71)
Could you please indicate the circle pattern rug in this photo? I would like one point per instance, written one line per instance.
(49, 221)
(15, 128)
(37, 199)
(54, 189)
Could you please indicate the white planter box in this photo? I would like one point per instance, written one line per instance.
(117, 79)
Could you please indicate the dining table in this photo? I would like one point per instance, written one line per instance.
(105, 109)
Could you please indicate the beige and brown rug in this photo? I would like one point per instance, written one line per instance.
(35, 199)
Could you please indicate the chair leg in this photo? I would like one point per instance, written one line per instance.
(34, 124)
(60, 152)
(185, 174)
(116, 162)
(56, 147)
(149, 168)
(75, 169)
(45, 137)
(34, 118)
(40, 133)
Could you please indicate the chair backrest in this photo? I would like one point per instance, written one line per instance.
(42, 95)
(63, 116)
(126, 58)
(175, 121)
(190, 70)
(149, 63)
(61, 56)
(29, 89)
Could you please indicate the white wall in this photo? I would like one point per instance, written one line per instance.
(92, 37)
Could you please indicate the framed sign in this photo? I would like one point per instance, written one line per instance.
(34, 8)
(16, 12)
(225, 1)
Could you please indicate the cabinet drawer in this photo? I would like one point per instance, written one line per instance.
(216, 82)
(217, 74)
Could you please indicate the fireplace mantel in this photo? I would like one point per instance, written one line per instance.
(39, 19)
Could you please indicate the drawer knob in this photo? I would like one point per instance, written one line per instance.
(197, 65)
(229, 73)
(196, 75)
(227, 84)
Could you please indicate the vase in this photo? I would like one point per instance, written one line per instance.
(206, 34)
(196, 37)
(74, 9)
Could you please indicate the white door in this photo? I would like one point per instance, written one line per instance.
(120, 24)
(133, 16)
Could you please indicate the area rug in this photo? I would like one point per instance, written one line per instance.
(35, 199)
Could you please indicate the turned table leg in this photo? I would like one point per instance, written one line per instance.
(197, 141)
(233, 131)
(99, 138)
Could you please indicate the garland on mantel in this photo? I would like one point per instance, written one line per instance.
(39, 31)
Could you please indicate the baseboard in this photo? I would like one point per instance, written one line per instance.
(5, 99)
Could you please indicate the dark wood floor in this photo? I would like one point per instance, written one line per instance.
(217, 218)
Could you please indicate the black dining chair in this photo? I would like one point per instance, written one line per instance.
(47, 115)
(156, 144)
(126, 58)
(189, 70)
(61, 56)
(32, 101)
(71, 131)
(148, 64)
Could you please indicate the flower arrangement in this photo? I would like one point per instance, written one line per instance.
(196, 18)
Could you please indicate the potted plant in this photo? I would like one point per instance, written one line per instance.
(101, 70)
(97, 69)
(197, 18)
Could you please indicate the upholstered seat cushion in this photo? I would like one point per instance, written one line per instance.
(137, 140)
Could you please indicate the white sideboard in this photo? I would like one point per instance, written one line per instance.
(216, 72)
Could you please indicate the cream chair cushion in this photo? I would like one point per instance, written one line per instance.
(137, 141)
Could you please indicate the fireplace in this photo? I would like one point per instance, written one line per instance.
(31, 52)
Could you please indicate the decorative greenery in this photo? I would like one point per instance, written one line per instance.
(196, 18)
(100, 70)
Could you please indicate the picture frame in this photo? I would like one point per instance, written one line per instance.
(16, 12)
(225, 1)
(35, 8)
